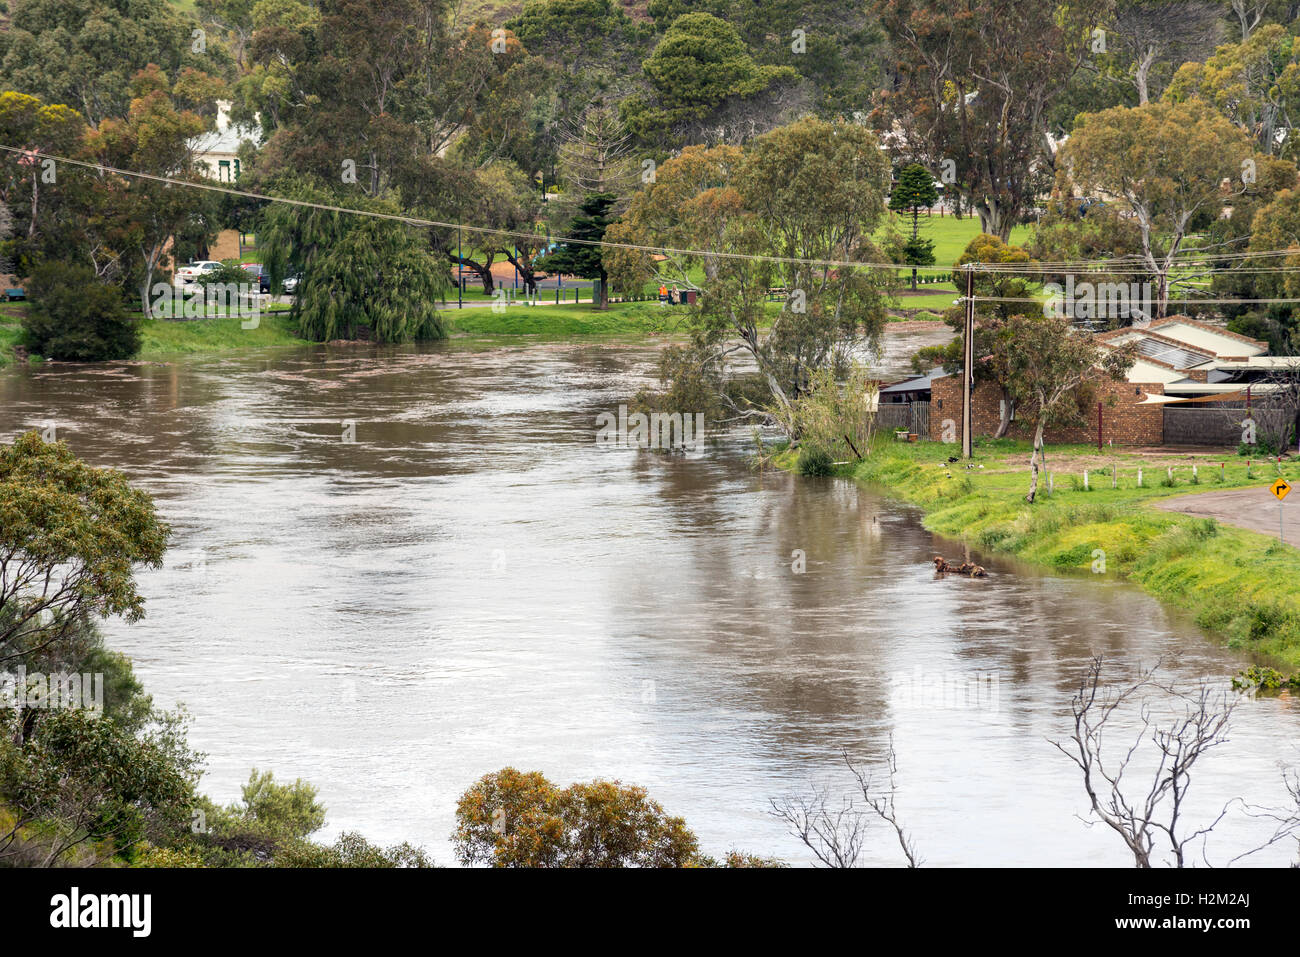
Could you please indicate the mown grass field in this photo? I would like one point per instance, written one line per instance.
(10, 330)
(1241, 585)
(161, 338)
(570, 320)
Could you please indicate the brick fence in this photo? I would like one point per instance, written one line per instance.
(1124, 419)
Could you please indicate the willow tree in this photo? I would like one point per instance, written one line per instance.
(361, 277)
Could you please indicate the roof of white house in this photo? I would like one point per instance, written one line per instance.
(223, 142)
(1201, 335)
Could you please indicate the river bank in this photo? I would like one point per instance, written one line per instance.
(164, 339)
(1239, 584)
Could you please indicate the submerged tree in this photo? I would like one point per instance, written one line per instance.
(796, 208)
(836, 833)
(1151, 814)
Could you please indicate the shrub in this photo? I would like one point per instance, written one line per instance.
(76, 318)
(520, 819)
(815, 460)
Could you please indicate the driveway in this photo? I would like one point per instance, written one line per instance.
(1250, 508)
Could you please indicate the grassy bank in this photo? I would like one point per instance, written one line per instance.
(623, 318)
(160, 338)
(1239, 584)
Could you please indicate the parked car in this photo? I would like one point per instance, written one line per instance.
(291, 284)
(195, 271)
(259, 273)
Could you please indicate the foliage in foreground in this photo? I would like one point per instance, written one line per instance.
(513, 818)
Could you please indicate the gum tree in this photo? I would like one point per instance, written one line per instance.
(781, 211)
(1165, 162)
(71, 537)
(1048, 365)
(972, 84)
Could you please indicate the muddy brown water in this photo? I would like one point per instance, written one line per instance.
(472, 583)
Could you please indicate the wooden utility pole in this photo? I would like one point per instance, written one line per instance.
(968, 364)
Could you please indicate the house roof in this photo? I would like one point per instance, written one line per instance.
(1153, 345)
(1206, 327)
(915, 384)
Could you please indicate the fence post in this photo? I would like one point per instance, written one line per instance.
(1139, 478)
(1085, 480)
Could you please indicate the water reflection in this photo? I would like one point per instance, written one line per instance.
(472, 583)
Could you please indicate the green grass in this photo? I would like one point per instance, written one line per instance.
(938, 302)
(161, 337)
(11, 333)
(1241, 585)
(950, 237)
(623, 318)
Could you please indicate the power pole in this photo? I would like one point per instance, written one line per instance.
(460, 274)
(968, 364)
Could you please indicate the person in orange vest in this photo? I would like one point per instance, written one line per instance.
(663, 295)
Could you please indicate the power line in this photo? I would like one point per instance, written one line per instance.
(1113, 266)
(488, 230)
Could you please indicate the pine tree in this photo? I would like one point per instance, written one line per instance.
(582, 258)
(914, 191)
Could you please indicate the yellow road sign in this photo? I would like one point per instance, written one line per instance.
(1280, 488)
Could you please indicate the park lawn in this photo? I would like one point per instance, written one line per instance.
(11, 332)
(938, 302)
(950, 236)
(10, 335)
(160, 338)
(567, 320)
(1238, 584)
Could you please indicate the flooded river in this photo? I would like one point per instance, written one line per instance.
(394, 571)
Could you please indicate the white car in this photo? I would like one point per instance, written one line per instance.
(291, 284)
(196, 270)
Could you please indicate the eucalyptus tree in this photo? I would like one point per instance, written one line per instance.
(971, 89)
(85, 54)
(797, 209)
(1165, 163)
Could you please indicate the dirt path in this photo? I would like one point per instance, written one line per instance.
(1250, 508)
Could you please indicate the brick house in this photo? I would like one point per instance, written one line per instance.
(1181, 360)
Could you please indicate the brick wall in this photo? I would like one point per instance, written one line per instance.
(1124, 420)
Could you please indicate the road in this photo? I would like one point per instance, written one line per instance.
(1250, 508)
